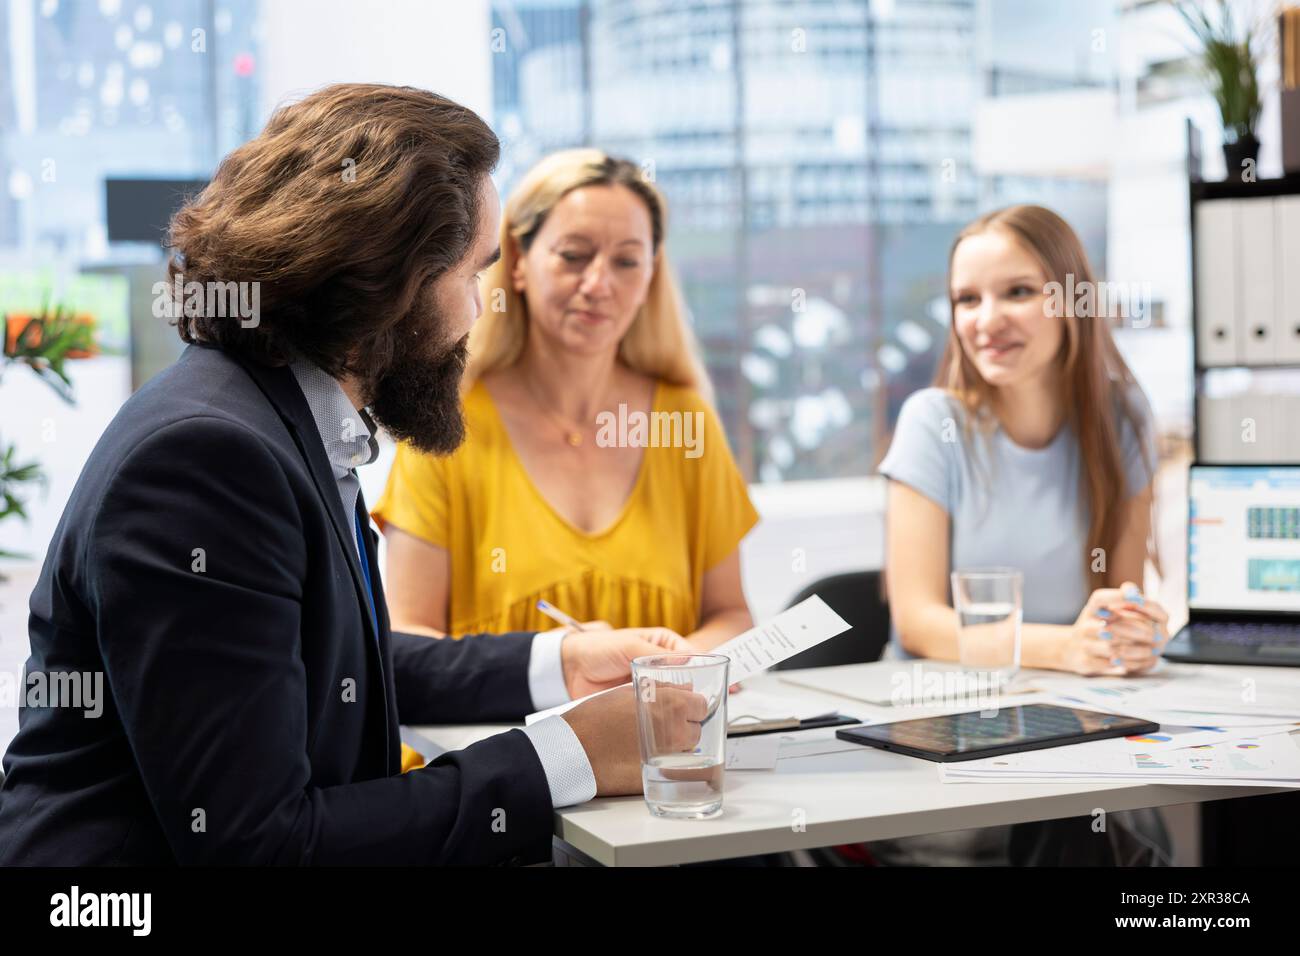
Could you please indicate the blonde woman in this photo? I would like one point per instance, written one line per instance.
(595, 475)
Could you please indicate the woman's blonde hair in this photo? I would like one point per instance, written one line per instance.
(1095, 384)
(658, 343)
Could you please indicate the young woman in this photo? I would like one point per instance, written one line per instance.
(1034, 450)
(552, 496)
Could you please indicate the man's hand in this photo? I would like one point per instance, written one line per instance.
(606, 728)
(599, 657)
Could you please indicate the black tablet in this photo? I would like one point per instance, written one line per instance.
(1007, 730)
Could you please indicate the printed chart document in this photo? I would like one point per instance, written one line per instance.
(1188, 697)
(795, 629)
(1265, 761)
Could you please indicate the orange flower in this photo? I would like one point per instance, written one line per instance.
(31, 329)
(15, 322)
(84, 318)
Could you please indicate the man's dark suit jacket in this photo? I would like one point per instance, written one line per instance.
(204, 565)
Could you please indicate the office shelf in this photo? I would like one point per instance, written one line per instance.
(1201, 192)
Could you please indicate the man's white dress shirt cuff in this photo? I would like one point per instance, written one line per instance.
(546, 670)
(568, 771)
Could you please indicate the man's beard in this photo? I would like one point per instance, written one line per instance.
(417, 398)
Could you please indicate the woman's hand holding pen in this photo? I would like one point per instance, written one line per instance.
(1118, 632)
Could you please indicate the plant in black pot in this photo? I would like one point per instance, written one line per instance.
(1228, 56)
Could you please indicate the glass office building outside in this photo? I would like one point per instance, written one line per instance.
(818, 161)
(114, 88)
(818, 158)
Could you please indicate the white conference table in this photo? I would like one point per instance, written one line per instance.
(847, 797)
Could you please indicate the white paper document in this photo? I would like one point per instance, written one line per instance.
(1191, 697)
(753, 753)
(763, 751)
(1264, 761)
(795, 629)
(763, 705)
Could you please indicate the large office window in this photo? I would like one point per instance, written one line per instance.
(819, 158)
(96, 89)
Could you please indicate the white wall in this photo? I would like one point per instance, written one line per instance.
(438, 45)
(59, 436)
(1068, 134)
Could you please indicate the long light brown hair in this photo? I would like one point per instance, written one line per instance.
(658, 343)
(1094, 385)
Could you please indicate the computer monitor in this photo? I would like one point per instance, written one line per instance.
(1243, 538)
(139, 210)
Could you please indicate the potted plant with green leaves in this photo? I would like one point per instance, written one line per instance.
(1229, 56)
(45, 342)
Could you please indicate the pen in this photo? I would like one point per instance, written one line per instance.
(555, 614)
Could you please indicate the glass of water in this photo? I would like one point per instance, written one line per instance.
(686, 784)
(989, 607)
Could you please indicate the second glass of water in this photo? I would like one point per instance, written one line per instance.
(682, 779)
(989, 607)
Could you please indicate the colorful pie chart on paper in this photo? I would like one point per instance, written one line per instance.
(1149, 738)
(1247, 746)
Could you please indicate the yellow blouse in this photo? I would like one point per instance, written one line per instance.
(508, 547)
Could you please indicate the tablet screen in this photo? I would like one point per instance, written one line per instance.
(1010, 729)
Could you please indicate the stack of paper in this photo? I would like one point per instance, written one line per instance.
(1217, 726)
(1201, 697)
(1174, 755)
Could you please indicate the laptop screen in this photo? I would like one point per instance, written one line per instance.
(1243, 540)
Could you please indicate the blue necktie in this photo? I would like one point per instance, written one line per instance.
(365, 570)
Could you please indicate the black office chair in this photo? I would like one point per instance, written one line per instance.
(859, 598)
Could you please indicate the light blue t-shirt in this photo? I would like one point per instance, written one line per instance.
(1010, 506)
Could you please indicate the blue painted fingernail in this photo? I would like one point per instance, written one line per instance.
(1105, 635)
(1134, 595)
(1117, 662)
(1103, 614)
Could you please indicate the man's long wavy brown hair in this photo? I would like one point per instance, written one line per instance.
(345, 208)
(1095, 384)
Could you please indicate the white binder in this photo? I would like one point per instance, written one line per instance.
(1216, 283)
(1286, 420)
(1218, 442)
(1288, 231)
(1262, 408)
(1258, 280)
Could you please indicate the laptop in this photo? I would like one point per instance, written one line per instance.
(1243, 566)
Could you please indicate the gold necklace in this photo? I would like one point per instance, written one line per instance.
(573, 436)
